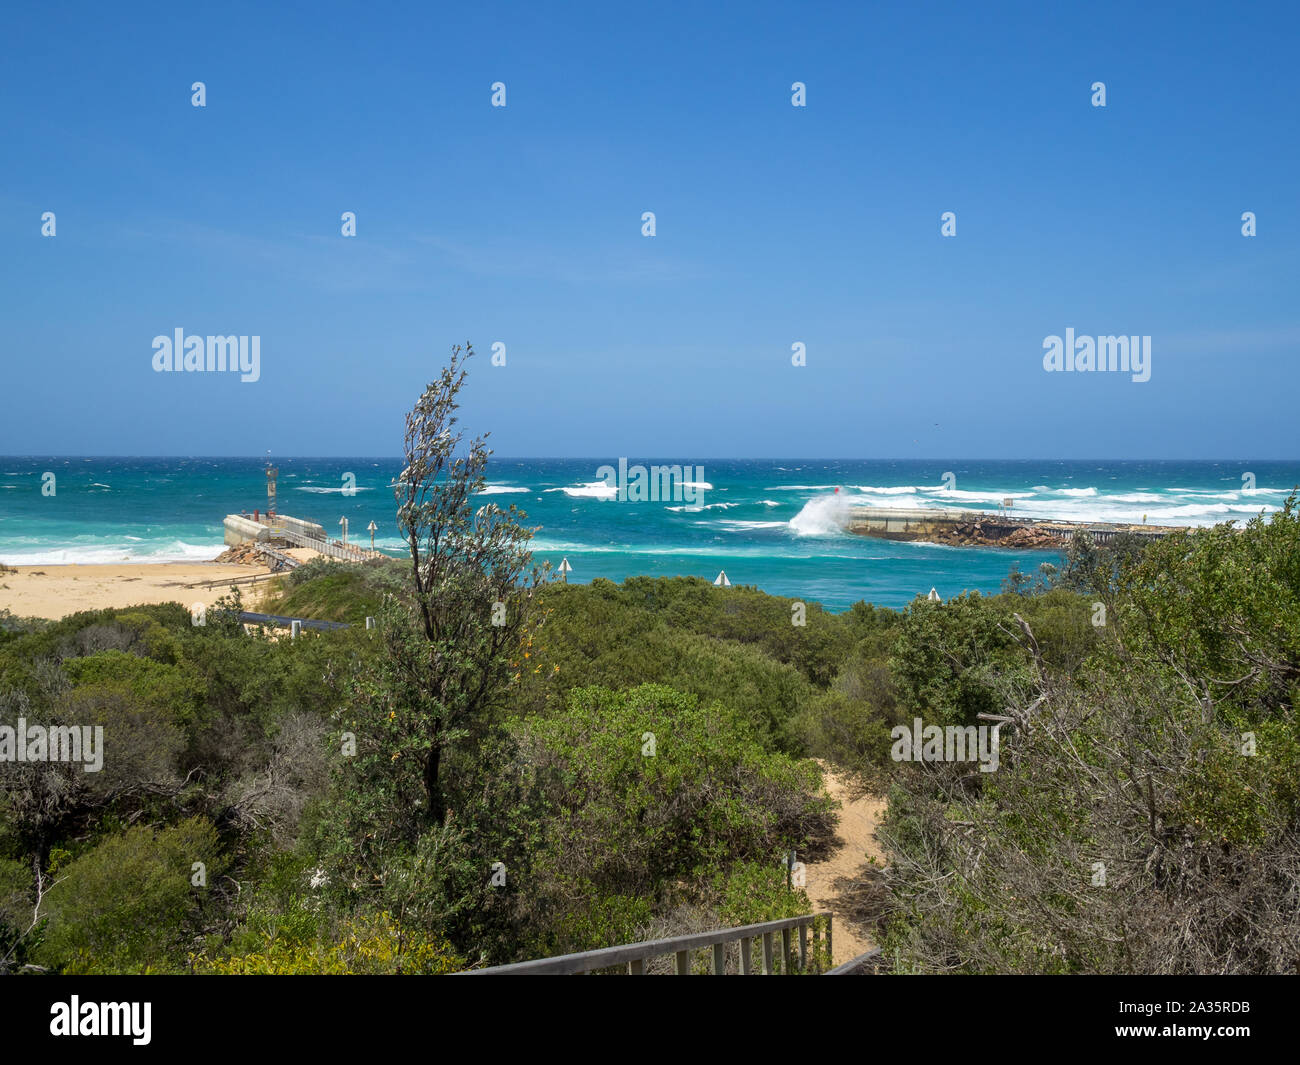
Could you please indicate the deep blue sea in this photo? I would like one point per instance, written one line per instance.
(776, 524)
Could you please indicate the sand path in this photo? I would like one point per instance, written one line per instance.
(858, 817)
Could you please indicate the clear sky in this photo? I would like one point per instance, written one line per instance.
(775, 224)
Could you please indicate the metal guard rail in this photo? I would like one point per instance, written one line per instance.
(332, 548)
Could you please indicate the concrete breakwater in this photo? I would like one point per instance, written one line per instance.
(979, 528)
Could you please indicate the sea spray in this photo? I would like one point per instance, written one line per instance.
(823, 516)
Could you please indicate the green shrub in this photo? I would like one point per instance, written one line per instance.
(370, 944)
(128, 905)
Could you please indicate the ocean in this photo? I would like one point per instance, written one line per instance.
(776, 524)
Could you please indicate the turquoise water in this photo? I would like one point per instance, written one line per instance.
(776, 524)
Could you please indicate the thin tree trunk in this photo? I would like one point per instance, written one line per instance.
(432, 787)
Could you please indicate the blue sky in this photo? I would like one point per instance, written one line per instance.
(775, 225)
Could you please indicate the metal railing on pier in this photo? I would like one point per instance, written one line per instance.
(332, 548)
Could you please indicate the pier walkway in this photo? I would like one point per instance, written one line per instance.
(261, 528)
(333, 548)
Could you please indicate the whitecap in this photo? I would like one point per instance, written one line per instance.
(331, 491)
(591, 490)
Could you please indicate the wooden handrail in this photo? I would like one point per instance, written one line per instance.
(634, 955)
(854, 966)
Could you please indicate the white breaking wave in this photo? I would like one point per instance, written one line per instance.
(101, 554)
(501, 490)
(1175, 511)
(1257, 490)
(591, 490)
(906, 489)
(826, 515)
(1191, 510)
(756, 551)
(697, 509)
(984, 497)
(330, 491)
(744, 526)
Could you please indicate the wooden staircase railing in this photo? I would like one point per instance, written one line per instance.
(791, 959)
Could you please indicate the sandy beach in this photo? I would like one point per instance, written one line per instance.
(57, 591)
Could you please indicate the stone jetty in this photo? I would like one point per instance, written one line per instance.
(981, 529)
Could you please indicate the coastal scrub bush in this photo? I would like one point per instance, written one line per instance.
(128, 904)
(1144, 816)
(753, 892)
(363, 944)
(592, 636)
(175, 692)
(953, 661)
(649, 791)
(146, 631)
(17, 917)
(747, 616)
(327, 590)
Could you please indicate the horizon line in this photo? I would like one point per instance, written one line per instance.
(706, 458)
